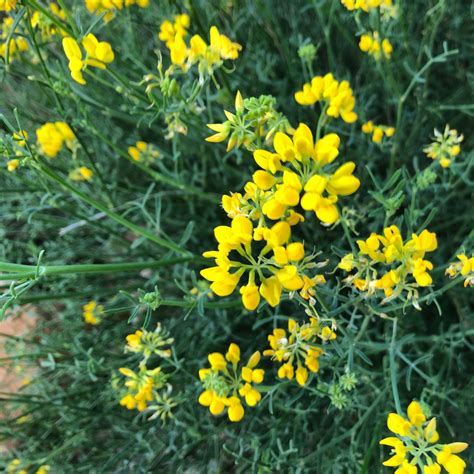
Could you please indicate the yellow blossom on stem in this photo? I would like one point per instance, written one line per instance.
(398, 261)
(227, 383)
(299, 348)
(378, 131)
(98, 54)
(336, 96)
(416, 445)
(92, 313)
(51, 137)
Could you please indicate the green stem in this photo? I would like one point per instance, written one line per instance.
(393, 368)
(30, 271)
(112, 215)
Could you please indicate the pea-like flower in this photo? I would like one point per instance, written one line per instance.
(228, 384)
(385, 262)
(298, 350)
(378, 48)
(150, 343)
(337, 97)
(464, 267)
(378, 131)
(52, 136)
(416, 446)
(98, 54)
(92, 313)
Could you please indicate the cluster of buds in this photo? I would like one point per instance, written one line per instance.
(299, 348)
(149, 343)
(399, 261)
(14, 149)
(255, 121)
(337, 97)
(416, 445)
(227, 383)
(446, 146)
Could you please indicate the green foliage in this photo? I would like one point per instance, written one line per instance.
(132, 240)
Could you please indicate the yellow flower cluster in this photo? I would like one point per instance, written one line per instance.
(7, 5)
(52, 136)
(169, 31)
(149, 343)
(147, 389)
(110, 6)
(416, 446)
(372, 44)
(298, 348)
(378, 131)
(17, 467)
(297, 173)
(465, 268)
(143, 151)
(386, 6)
(44, 24)
(399, 259)
(445, 147)
(92, 313)
(337, 97)
(98, 54)
(227, 383)
(17, 44)
(19, 139)
(208, 56)
(141, 386)
(254, 119)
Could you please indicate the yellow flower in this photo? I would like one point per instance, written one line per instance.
(98, 54)
(370, 43)
(298, 348)
(92, 313)
(399, 260)
(7, 5)
(445, 147)
(377, 131)
(464, 267)
(229, 388)
(337, 95)
(81, 174)
(141, 387)
(52, 136)
(12, 165)
(417, 439)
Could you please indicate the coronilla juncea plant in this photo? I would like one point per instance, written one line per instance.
(385, 262)
(228, 383)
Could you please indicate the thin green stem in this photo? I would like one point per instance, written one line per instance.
(30, 271)
(45, 169)
(393, 367)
